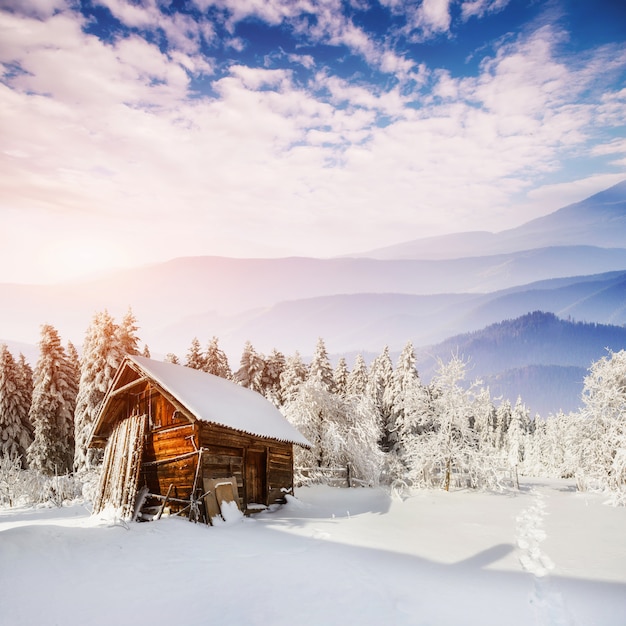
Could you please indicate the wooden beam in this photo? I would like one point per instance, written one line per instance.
(128, 386)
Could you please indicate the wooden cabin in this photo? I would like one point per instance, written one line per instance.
(183, 439)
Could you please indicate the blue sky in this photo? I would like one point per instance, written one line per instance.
(134, 132)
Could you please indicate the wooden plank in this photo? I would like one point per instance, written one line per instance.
(220, 490)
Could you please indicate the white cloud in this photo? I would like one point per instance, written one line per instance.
(615, 146)
(182, 32)
(107, 134)
(480, 8)
(36, 8)
(428, 19)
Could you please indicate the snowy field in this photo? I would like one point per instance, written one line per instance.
(546, 555)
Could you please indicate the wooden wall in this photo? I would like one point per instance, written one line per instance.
(227, 455)
(169, 457)
(160, 466)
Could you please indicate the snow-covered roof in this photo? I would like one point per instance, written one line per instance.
(220, 401)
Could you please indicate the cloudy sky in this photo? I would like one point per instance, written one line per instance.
(138, 131)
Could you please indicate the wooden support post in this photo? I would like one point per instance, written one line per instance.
(162, 507)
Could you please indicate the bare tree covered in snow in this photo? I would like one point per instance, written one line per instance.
(602, 456)
(343, 431)
(438, 434)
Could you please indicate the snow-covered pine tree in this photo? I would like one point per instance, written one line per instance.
(356, 383)
(294, 374)
(320, 368)
(414, 424)
(251, 368)
(74, 360)
(216, 361)
(340, 377)
(103, 353)
(405, 380)
(275, 365)
(127, 331)
(170, 357)
(484, 421)
(52, 408)
(25, 375)
(195, 359)
(504, 414)
(15, 433)
(379, 381)
(146, 351)
(26, 379)
(516, 434)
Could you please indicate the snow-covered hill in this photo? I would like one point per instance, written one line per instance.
(544, 555)
(599, 220)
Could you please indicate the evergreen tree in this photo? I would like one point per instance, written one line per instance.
(103, 352)
(356, 383)
(74, 360)
(504, 414)
(274, 367)
(195, 359)
(251, 368)
(216, 361)
(321, 369)
(516, 433)
(294, 374)
(127, 332)
(25, 372)
(404, 381)
(379, 382)
(340, 377)
(14, 406)
(146, 351)
(52, 408)
(170, 357)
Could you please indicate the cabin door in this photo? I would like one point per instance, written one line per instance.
(256, 477)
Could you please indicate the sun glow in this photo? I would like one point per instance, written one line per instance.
(71, 260)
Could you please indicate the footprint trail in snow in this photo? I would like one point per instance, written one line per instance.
(548, 605)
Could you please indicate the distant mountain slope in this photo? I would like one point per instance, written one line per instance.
(538, 356)
(544, 389)
(185, 291)
(367, 322)
(599, 220)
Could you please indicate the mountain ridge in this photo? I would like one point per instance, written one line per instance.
(567, 226)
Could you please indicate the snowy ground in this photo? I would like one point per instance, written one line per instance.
(546, 556)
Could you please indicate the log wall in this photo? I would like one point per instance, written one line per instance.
(162, 465)
(226, 456)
